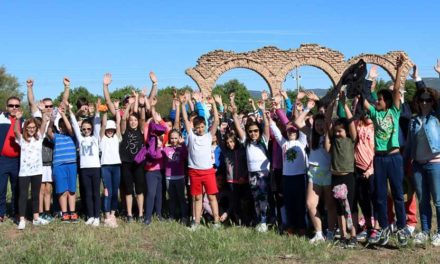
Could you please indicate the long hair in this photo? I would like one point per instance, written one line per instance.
(419, 92)
(37, 124)
(246, 127)
(315, 135)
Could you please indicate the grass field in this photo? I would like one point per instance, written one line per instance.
(170, 242)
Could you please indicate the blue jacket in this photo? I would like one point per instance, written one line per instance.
(431, 125)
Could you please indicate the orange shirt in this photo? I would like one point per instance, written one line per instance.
(10, 148)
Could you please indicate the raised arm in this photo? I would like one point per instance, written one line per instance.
(328, 117)
(118, 120)
(75, 125)
(186, 122)
(30, 96)
(66, 82)
(17, 126)
(215, 124)
(66, 120)
(97, 120)
(176, 124)
(266, 129)
(105, 83)
(300, 121)
(397, 83)
(275, 130)
(437, 67)
(153, 91)
(125, 118)
(45, 120)
(351, 127)
(103, 125)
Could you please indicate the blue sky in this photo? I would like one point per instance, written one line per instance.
(84, 39)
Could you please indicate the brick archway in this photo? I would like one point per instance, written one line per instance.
(273, 64)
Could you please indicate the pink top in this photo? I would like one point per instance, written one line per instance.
(175, 160)
(364, 149)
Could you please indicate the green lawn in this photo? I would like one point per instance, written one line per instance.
(170, 242)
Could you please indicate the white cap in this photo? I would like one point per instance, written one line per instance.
(110, 125)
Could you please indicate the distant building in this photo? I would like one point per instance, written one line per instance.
(432, 82)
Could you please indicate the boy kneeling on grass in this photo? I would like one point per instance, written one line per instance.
(201, 173)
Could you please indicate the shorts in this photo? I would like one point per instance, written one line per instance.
(65, 177)
(47, 174)
(202, 178)
(319, 176)
(132, 177)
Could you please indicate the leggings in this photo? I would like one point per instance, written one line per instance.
(91, 184)
(348, 180)
(154, 193)
(294, 193)
(111, 177)
(259, 182)
(23, 185)
(364, 191)
(176, 193)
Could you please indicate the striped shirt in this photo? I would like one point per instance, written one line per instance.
(64, 150)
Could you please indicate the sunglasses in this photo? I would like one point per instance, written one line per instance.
(48, 106)
(13, 105)
(427, 100)
(253, 131)
(87, 129)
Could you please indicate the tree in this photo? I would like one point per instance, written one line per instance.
(9, 86)
(241, 93)
(120, 93)
(165, 98)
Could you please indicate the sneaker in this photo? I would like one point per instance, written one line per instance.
(130, 219)
(96, 222)
(385, 236)
(374, 237)
(21, 225)
(403, 235)
(40, 221)
(393, 228)
(317, 238)
(90, 221)
(435, 240)
(194, 227)
(74, 218)
(48, 217)
(421, 238)
(362, 236)
(147, 222)
(65, 218)
(337, 234)
(351, 242)
(411, 229)
(261, 228)
(216, 226)
(330, 236)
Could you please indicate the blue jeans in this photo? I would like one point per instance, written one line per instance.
(427, 183)
(154, 193)
(111, 177)
(389, 167)
(9, 167)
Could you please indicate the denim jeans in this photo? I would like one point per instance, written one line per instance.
(427, 183)
(9, 168)
(389, 167)
(154, 193)
(111, 177)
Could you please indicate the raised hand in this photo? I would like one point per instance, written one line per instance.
(283, 94)
(107, 79)
(19, 114)
(264, 96)
(153, 77)
(312, 96)
(342, 97)
(176, 102)
(232, 109)
(174, 93)
(41, 106)
(415, 72)
(197, 96)
(218, 99)
(301, 95)
(211, 100)
(399, 61)
(66, 81)
(153, 101)
(310, 104)
(261, 105)
(30, 83)
(437, 67)
(299, 106)
(373, 74)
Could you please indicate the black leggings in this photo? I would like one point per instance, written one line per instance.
(364, 191)
(348, 180)
(23, 185)
(133, 177)
(91, 185)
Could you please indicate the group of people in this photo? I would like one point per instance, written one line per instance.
(298, 166)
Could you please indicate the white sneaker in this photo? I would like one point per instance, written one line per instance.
(95, 221)
(40, 221)
(261, 228)
(421, 238)
(194, 227)
(21, 225)
(411, 229)
(435, 240)
(90, 221)
(317, 238)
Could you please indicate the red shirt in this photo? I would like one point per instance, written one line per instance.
(10, 148)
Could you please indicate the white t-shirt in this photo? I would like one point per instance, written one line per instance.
(293, 151)
(320, 157)
(110, 150)
(31, 157)
(88, 146)
(199, 151)
(257, 159)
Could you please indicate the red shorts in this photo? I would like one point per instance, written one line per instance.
(202, 178)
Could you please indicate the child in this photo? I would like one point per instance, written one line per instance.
(201, 172)
(258, 164)
(90, 164)
(175, 156)
(31, 166)
(64, 165)
(343, 136)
